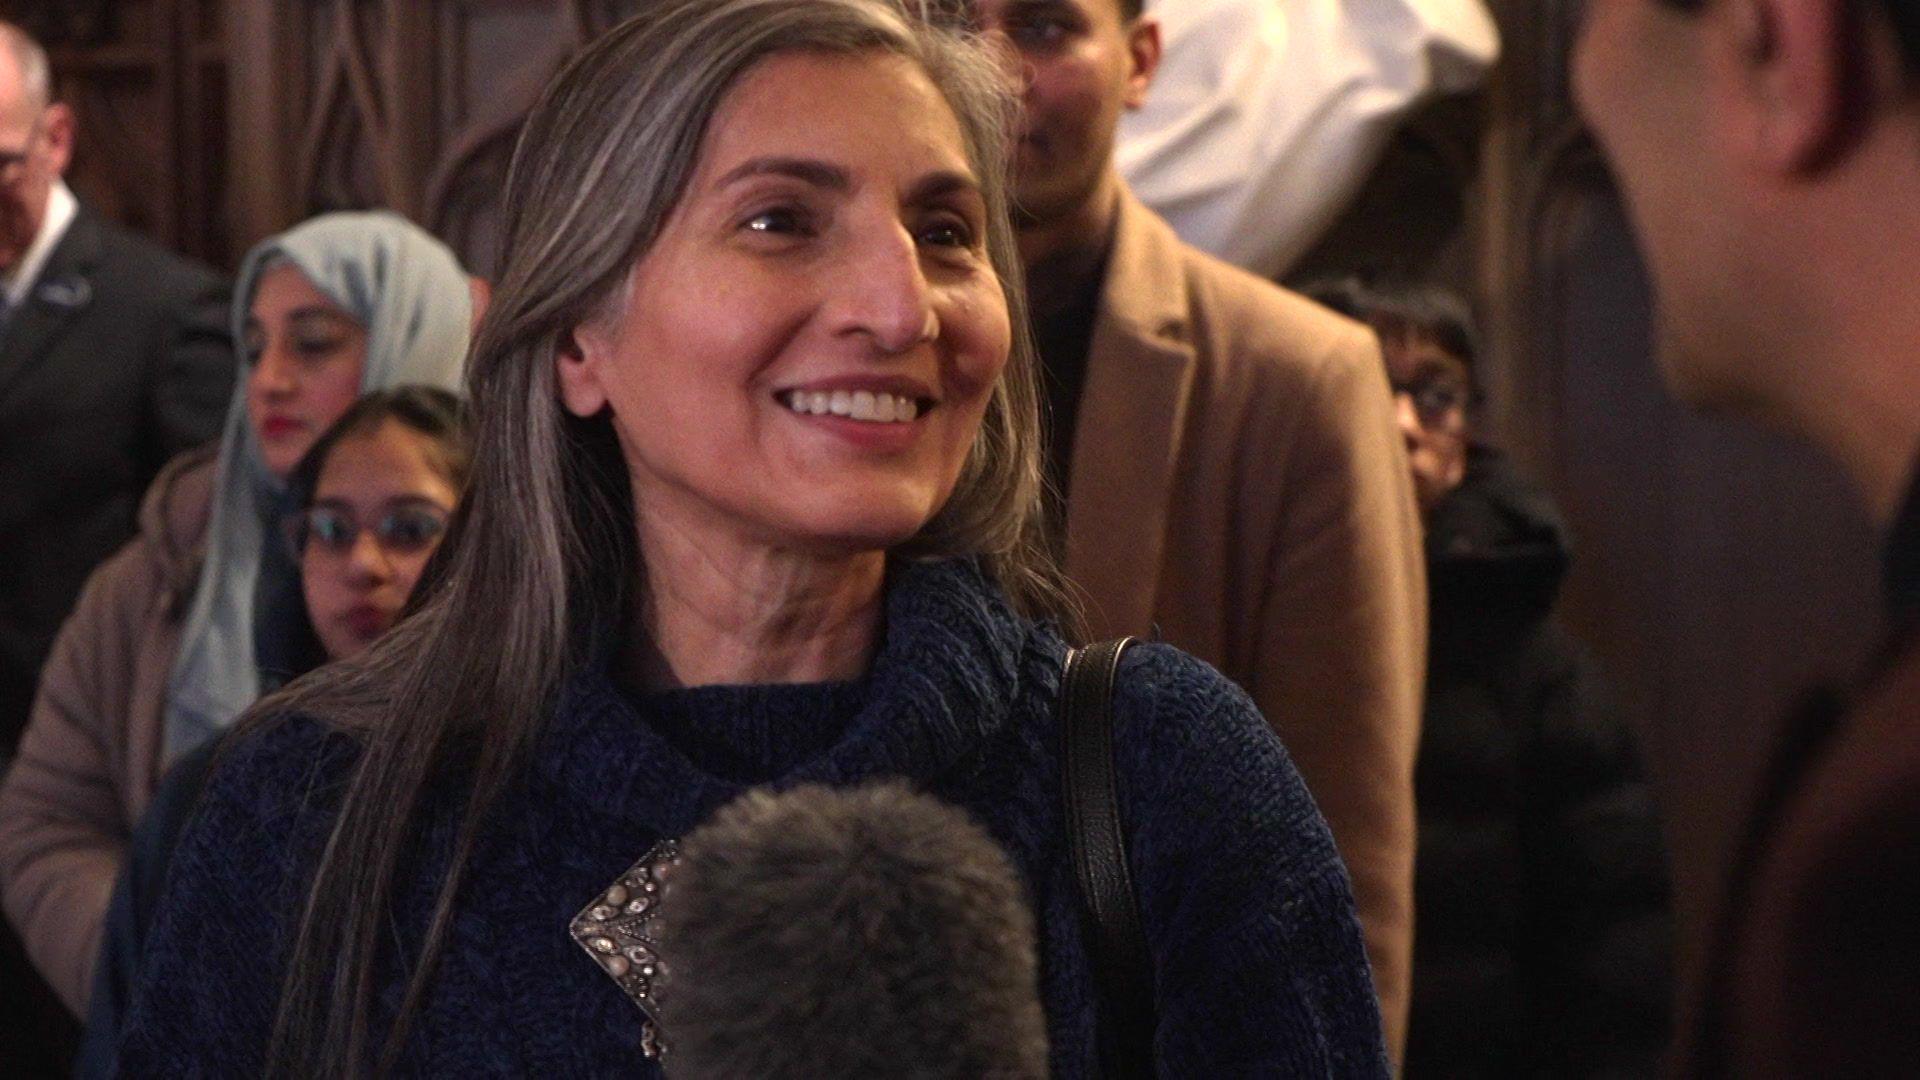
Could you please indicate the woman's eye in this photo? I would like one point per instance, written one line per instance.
(316, 347)
(785, 221)
(412, 531)
(330, 530)
(948, 232)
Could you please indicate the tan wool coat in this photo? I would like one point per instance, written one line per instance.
(91, 754)
(1238, 482)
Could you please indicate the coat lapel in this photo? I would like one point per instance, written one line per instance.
(1132, 416)
(63, 290)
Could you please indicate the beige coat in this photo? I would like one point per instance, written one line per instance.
(1239, 482)
(91, 754)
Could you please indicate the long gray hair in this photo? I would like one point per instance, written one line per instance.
(542, 556)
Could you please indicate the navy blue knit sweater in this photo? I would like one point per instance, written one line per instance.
(1258, 960)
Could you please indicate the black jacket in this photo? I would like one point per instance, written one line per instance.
(118, 359)
(1542, 941)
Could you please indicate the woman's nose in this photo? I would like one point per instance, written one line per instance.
(883, 292)
(367, 561)
(272, 374)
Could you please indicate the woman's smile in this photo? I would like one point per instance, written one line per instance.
(806, 352)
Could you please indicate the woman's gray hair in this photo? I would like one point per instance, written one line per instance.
(542, 556)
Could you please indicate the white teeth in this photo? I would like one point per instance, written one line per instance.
(865, 405)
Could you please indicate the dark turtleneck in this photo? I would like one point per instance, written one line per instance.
(1261, 969)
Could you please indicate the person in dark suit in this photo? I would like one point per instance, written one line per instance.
(114, 356)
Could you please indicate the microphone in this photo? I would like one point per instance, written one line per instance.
(861, 932)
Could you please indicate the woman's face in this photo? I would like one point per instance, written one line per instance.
(307, 357)
(380, 506)
(803, 358)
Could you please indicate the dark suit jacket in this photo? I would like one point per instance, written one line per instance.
(1812, 962)
(117, 359)
(1813, 968)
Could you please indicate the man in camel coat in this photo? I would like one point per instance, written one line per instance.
(1233, 475)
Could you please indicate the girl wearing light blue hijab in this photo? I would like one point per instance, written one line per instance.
(183, 629)
(410, 299)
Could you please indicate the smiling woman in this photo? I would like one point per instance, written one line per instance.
(756, 500)
(829, 250)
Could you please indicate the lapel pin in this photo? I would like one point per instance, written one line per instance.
(66, 292)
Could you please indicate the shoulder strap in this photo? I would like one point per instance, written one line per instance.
(1123, 974)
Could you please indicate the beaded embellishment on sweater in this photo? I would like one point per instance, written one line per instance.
(616, 930)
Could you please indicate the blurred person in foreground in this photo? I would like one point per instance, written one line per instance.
(187, 625)
(374, 495)
(1768, 153)
(756, 501)
(862, 933)
(1232, 477)
(1543, 909)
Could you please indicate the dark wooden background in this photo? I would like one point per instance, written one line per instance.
(1719, 570)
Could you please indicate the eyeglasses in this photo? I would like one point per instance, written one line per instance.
(1435, 397)
(331, 530)
(14, 162)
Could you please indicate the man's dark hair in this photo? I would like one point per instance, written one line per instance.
(1401, 311)
(960, 12)
(1902, 15)
(864, 933)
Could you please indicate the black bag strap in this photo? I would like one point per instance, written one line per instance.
(1122, 970)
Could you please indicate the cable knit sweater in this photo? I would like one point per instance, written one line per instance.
(1257, 955)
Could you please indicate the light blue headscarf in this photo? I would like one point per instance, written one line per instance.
(410, 293)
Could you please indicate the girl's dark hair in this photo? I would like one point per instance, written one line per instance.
(437, 414)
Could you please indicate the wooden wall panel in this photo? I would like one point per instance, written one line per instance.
(147, 80)
(413, 106)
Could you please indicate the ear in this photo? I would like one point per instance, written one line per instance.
(578, 365)
(58, 125)
(480, 292)
(1797, 73)
(1143, 53)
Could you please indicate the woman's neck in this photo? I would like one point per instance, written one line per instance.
(723, 610)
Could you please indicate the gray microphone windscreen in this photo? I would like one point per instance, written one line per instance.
(862, 932)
